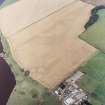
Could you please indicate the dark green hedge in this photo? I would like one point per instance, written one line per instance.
(94, 16)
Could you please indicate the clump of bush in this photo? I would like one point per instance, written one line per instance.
(27, 73)
(94, 16)
(96, 9)
(91, 21)
(22, 70)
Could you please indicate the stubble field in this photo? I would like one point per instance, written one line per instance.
(51, 49)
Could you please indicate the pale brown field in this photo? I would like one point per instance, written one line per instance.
(51, 49)
(25, 12)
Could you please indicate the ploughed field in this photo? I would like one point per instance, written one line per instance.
(7, 80)
(1, 1)
(95, 2)
(4, 3)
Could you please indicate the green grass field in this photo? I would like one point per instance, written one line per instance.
(95, 101)
(95, 34)
(94, 79)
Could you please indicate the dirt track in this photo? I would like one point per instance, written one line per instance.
(95, 2)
